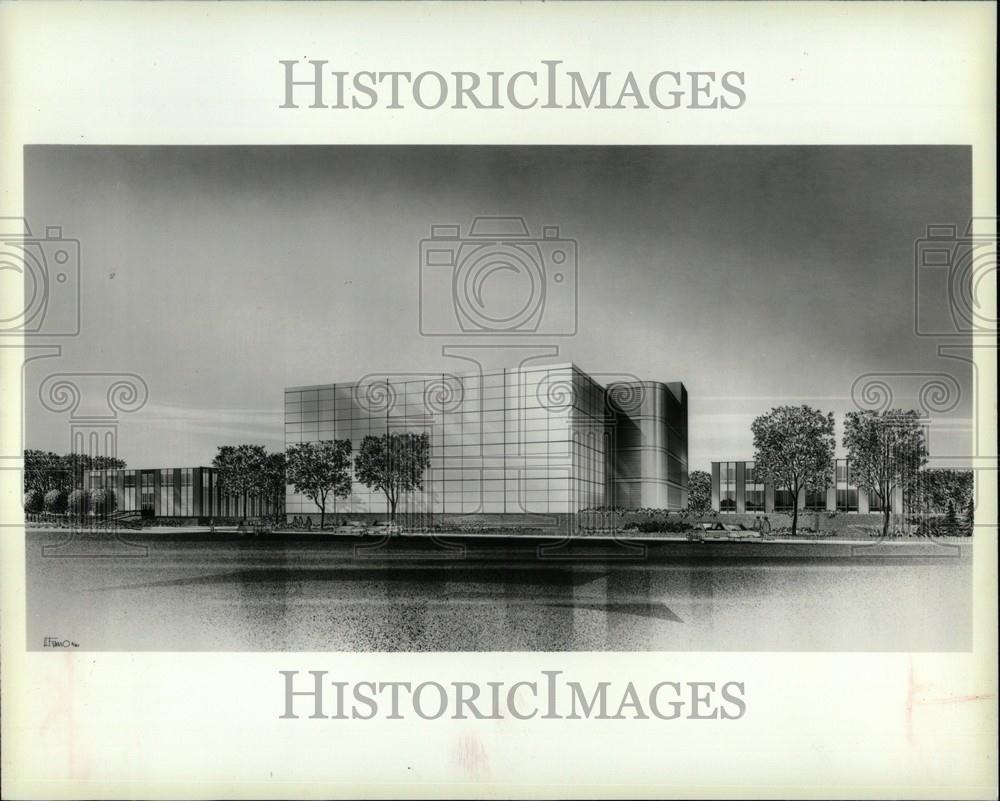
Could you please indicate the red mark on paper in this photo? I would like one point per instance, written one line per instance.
(471, 756)
(914, 698)
(60, 713)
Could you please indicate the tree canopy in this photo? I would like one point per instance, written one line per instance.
(45, 470)
(272, 478)
(241, 470)
(793, 449)
(887, 450)
(934, 488)
(699, 492)
(319, 469)
(393, 464)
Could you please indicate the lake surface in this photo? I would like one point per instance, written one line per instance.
(220, 593)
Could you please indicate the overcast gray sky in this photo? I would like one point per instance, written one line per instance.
(755, 275)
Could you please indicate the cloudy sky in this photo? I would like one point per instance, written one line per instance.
(757, 276)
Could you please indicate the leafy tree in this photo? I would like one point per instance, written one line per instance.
(393, 464)
(76, 463)
(78, 502)
(886, 450)
(55, 501)
(930, 490)
(793, 450)
(969, 524)
(699, 492)
(240, 470)
(45, 470)
(317, 469)
(103, 501)
(34, 501)
(272, 479)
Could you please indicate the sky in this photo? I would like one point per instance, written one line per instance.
(757, 276)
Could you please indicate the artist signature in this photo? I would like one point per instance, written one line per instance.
(56, 642)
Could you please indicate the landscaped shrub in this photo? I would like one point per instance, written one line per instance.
(938, 526)
(34, 501)
(663, 526)
(180, 522)
(55, 501)
(103, 501)
(78, 503)
(951, 527)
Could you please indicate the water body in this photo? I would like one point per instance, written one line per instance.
(219, 593)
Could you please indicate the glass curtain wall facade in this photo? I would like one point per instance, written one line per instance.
(181, 492)
(649, 445)
(845, 490)
(527, 440)
(756, 494)
(727, 486)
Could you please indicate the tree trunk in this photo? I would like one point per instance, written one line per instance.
(392, 510)
(795, 513)
(885, 519)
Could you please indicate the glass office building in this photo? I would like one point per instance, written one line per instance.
(737, 488)
(178, 492)
(547, 439)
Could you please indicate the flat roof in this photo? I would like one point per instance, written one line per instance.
(418, 375)
(427, 374)
(144, 469)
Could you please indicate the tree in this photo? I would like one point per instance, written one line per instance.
(393, 464)
(317, 469)
(104, 502)
(969, 523)
(793, 450)
(886, 450)
(950, 521)
(930, 490)
(78, 503)
(45, 470)
(272, 479)
(55, 501)
(240, 469)
(74, 465)
(34, 501)
(699, 492)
